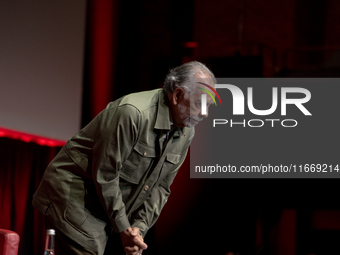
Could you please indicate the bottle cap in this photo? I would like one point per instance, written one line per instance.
(50, 232)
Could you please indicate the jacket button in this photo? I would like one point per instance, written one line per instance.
(145, 153)
(146, 187)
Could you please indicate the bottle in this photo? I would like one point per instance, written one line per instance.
(49, 243)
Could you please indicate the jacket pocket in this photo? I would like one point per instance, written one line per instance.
(81, 220)
(138, 162)
(173, 158)
(171, 162)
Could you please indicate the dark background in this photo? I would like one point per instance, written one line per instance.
(129, 47)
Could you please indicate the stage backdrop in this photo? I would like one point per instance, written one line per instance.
(41, 66)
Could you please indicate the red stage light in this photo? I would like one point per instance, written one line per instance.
(14, 134)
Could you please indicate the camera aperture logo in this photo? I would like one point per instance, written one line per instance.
(239, 105)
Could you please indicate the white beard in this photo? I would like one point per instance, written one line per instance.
(188, 122)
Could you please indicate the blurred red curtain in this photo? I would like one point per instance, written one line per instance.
(22, 165)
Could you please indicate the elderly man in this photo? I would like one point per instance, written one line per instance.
(115, 174)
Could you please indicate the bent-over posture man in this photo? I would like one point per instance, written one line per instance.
(115, 173)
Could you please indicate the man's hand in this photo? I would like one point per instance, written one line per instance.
(132, 241)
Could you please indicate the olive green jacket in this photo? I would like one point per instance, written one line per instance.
(115, 173)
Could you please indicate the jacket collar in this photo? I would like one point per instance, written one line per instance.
(163, 115)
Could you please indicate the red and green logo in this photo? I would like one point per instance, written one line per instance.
(204, 97)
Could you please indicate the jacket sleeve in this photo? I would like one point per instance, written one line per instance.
(117, 132)
(147, 214)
